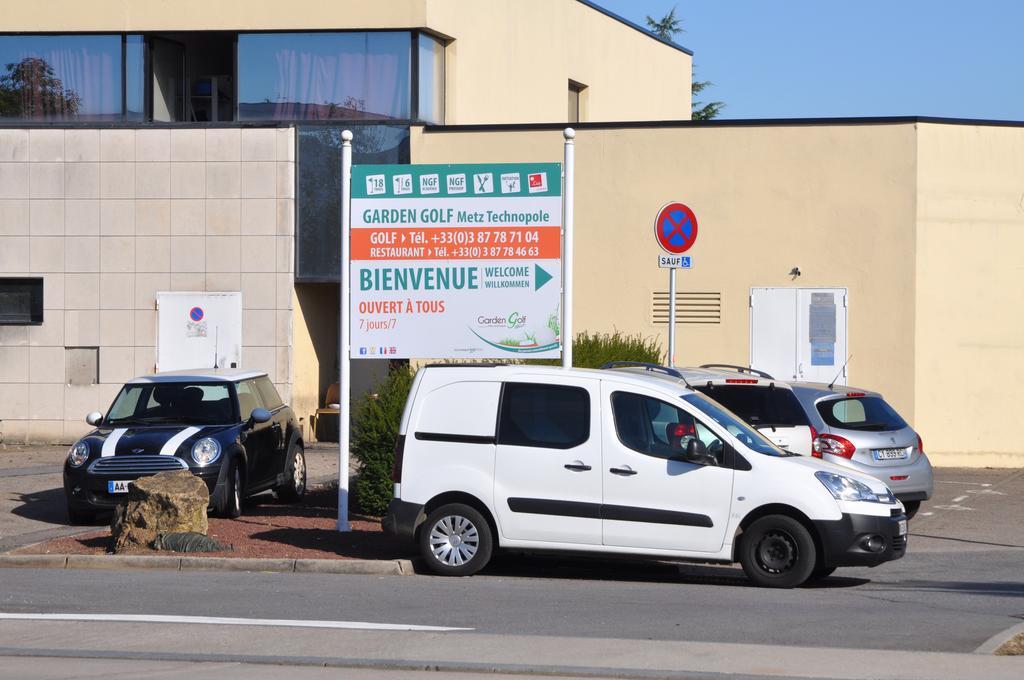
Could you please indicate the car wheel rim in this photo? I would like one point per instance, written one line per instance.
(299, 471)
(454, 540)
(777, 552)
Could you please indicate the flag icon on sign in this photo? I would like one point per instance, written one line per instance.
(537, 182)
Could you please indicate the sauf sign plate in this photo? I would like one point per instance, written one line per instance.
(456, 261)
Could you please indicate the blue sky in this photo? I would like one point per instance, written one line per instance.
(809, 58)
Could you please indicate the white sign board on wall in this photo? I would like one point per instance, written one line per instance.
(199, 330)
(456, 261)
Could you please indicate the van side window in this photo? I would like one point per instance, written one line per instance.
(544, 416)
(655, 428)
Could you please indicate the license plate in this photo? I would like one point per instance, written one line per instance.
(119, 486)
(903, 527)
(889, 454)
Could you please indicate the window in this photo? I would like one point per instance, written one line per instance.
(21, 302)
(430, 76)
(135, 77)
(318, 210)
(545, 416)
(60, 77)
(759, 406)
(750, 437)
(200, 403)
(575, 95)
(248, 398)
(656, 428)
(324, 76)
(268, 393)
(869, 414)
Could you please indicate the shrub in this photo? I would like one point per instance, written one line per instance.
(593, 351)
(374, 431)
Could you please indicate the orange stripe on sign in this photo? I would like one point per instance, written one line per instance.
(457, 243)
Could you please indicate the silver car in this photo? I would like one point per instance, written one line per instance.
(847, 426)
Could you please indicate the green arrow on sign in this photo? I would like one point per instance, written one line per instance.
(540, 277)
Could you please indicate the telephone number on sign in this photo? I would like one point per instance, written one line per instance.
(469, 237)
(473, 252)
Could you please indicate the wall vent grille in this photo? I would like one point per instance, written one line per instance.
(691, 308)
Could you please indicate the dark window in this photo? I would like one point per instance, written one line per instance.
(200, 403)
(759, 406)
(318, 212)
(60, 77)
(659, 429)
(324, 76)
(546, 416)
(430, 76)
(271, 399)
(574, 113)
(21, 302)
(870, 414)
(248, 398)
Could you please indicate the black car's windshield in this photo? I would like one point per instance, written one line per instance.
(750, 437)
(179, 402)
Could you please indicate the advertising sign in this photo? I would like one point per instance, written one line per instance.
(456, 261)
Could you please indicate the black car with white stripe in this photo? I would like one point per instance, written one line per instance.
(228, 427)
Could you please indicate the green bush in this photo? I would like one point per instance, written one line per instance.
(593, 351)
(374, 430)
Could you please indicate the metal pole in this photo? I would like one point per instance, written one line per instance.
(567, 217)
(672, 316)
(344, 331)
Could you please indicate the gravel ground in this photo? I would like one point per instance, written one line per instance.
(305, 530)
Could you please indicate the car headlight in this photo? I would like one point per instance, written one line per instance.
(846, 489)
(78, 454)
(205, 451)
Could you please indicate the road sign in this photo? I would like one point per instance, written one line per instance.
(675, 228)
(675, 261)
(456, 261)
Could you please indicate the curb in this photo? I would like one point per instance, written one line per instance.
(141, 562)
(999, 639)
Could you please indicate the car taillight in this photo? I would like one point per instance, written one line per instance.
(834, 445)
(920, 444)
(396, 467)
(740, 381)
(814, 443)
(855, 394)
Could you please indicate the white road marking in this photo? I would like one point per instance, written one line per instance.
(952, 507)
(172, 444)
(927, 514)
(110, 443)
(959, 499)
(221, 621)
(943, 481)
(986, 492)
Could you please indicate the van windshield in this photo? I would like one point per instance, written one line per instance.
(750, 437)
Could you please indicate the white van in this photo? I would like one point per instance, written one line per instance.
(606, 461)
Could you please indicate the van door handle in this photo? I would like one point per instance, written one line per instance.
(578, 466)
(624, 471)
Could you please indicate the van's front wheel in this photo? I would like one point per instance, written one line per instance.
(455, 540)
(777, 552)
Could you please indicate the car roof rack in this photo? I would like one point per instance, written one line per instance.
(740, 369)
(466, 364)
(643, 364)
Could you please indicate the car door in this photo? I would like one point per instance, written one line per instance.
(280, 424)
(547, 476)
(259, 441)
(653, 499)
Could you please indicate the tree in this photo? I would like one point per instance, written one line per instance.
(31, 89)
(666, 29)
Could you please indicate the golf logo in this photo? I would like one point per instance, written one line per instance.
(525, 341)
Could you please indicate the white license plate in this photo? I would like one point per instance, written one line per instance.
(889, 454)
(118, 486)
(903, 527)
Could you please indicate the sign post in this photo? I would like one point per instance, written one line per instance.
(567, 243)
(344, 332)
(675, 228)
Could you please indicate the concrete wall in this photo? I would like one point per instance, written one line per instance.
(838, 201)
(509, 61)
(110, 217)
(970, 292)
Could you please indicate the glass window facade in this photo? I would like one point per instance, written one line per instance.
(135, 77)
(60, 77)
(318, 212)
(430, 71)
(324, 76)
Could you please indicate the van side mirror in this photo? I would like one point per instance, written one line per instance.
(696, 452)
(94, 418)
(259, 415)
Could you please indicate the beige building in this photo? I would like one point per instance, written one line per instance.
(206, 159)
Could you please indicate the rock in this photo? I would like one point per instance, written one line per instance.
(168, 502)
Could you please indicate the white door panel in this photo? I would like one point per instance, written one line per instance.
(799, 333)
(773, 331)
(551, 494)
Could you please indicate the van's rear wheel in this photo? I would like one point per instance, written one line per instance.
(777, 552)
(455, 540)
